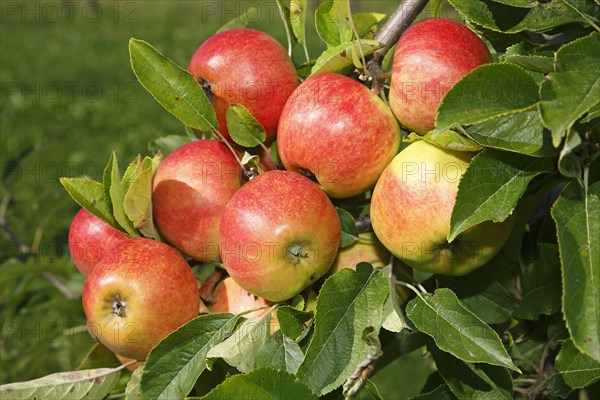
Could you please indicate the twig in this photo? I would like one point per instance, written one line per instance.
(363, 223)
(366, 366)
(58, 285)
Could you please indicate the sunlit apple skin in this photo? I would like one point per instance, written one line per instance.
(431, 56)
(279, 233)
(247, 67)
(190, 190)
(139, 292)
(229, 297)
(369, 250)
(89, 238)
(411, 208)
(339, 131)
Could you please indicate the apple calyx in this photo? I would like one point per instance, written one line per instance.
(296, 252)
(119, 306)
(308, 174)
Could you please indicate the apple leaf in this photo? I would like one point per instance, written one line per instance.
(449, 140)
(137, 203)
(133, 169)
(367, 22)
(174, 365)
(292, 322)
(455, 329)
(576, 369)
(173, 87)
(107, 180)
(339, 57)
(90, 195)
(240, 349)
(168, 144)
(85, 384)
(243, 128)
(540, 284)
(298, 11)
(574, 88)
(250, 14)
(99, 357)
(577, 217)
(117, 197)
(489, 91)
(491, 186)
(333, 22)
(393, 317)
(261, 384)
(280, 352)
(472, 381)
(518, 54)
(349, 302)
(133, 390)
(568, 162)
(540, 17)
(349, 230)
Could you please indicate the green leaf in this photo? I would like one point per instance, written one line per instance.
(568, 162)
(367, 22)
(168, 144)
(99, 357)
(368, 391)
(520, 131)
(577, 369)
(85, 384)
(292, 322)
(117, 197)
(107, 180)
(449, 140)
(261, 384)
(491, 186)
(349, 302)
(540, 284)
(441, 392)
(133, 169)
(89, 194)
(577, 217)
(298, 11)
(280, 352)
(457, 330)
(489, 91)
(173, 87)
(133, 390)
(333, 22)
(243, 128)
(534, 63)
(250, 14)
(393, 317)
(137, 203)
(473, 381)
(574, 88)
(174, 365)
(541, 17)
(349, 230)
(339, 57)
(240, 349)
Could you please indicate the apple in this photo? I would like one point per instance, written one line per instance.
(369, 249)
(89, 238)
(411, 208)
(138, 293)
(279, 234)
(431, 56)
(191, 187)
(336, 130)
(229, 297)
(247, 67)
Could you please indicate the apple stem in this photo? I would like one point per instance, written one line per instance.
(389, 34)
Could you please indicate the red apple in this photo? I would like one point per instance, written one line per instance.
(89, 238)
(431, 56)
(337, 130)
(279, 233)
(229, 297)
(247, 67)
(411, 209)
(190, 190)
(138, 293)
(369, 249)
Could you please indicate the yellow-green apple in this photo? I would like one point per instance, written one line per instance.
(368, 249)
(138, 293)
(411, 208)
(191, 187)
(431, 56)
(229, 297)
(337, 130)
(89, 238)
(279, 233)
(247, 67)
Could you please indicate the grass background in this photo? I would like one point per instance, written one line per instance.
(69, 97)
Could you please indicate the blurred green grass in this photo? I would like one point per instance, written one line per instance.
(69, 97)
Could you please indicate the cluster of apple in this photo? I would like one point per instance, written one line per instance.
(279, 233)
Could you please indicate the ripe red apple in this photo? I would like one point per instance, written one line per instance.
(336, 129)
(247, 67)
(89, 238)
(138, 293)
(279, 233)
(411, 208)
(229, 297)
(191, 187)
(369, 250)
(431, 56)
